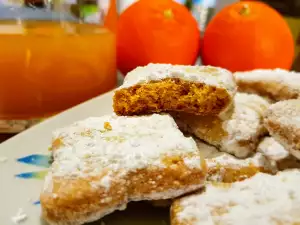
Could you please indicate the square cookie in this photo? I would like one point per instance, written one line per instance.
(275, 84)
(238, 134)
(225, 168)
(262, 199)
(283, 123)
(101, 164)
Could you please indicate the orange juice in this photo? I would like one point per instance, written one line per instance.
(46, 67)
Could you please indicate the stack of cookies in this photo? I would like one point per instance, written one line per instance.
(282, 119)
(179, 131)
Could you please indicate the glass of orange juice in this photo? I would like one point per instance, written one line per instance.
(53, 56)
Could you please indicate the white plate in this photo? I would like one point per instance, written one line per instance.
(16, 192)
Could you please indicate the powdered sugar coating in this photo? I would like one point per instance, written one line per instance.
(237, 135)
(113, 143)
(19, 217)
(216, 159)
(209, 75)
(48, 183)
(3, 159)
(279, 75)
(167, 194)
(101, 164)
(278, 84)
(262, 199)
(272, 149)
(258, 160)
(253, 101)
(245, 125)
(283, 122)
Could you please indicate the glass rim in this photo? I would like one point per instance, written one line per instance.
(25, 13)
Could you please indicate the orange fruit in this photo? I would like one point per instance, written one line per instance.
(248, 35)
(156, 31)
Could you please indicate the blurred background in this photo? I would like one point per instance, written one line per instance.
(55, 54)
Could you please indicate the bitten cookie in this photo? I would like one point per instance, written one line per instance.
(262, 199)
(100, 164)
(283, 122)
(200, 90)
(275, 84)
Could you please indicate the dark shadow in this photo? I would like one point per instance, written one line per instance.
(137, 213)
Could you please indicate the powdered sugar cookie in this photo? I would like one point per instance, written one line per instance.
(275, 84)
(238, 135)
(200, 90)
(100, 164)
(271, 149)
(283, 122)
(276, 153)
(223, 167)
(261, 199)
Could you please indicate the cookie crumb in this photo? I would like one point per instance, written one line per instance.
(19, 217)
(107, 126)
(3, 159)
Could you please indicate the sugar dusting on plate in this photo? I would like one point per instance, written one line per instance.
(3, 159)
(19, 217)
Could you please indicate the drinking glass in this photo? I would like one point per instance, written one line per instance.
(53, 55)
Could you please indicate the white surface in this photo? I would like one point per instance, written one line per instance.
(19, 193)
